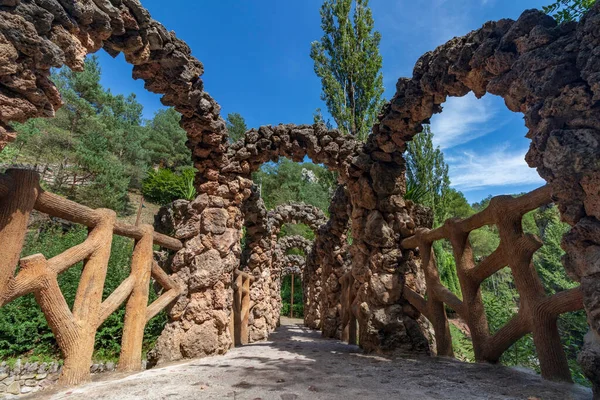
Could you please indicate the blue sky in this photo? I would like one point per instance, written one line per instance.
(256, 59)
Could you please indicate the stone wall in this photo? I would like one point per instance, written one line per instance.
(30, 377)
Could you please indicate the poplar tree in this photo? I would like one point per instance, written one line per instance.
(348, 62)
(427, 170)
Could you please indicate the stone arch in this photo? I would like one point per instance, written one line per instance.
(36, 36)
(290, 213)
(295, 213)
(547, 72)
(375, 181)
(269, 143)
(286, 243)
(293, 264)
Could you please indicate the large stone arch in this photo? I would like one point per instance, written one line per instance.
(551, 74)
(290, 213)
(268, 143)
(37, 35)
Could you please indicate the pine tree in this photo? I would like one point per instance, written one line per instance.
(348, 62)
(236, 126)
(167, 141)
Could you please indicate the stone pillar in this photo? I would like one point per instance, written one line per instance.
(332, 248)
(380, 220)
(257, 260)
(210, 227)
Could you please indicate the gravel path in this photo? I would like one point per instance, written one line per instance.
(299, 364)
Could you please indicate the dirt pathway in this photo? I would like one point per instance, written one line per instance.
(298, 364)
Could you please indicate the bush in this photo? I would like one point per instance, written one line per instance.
(298, 310)
(23, 328)
(164, 186)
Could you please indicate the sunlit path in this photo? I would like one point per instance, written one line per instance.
(298, 364)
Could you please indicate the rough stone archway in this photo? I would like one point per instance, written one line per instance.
(268, 301)
(551, 74)
(286, 243)
(38, 35)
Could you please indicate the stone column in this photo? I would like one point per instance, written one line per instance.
(380, 220)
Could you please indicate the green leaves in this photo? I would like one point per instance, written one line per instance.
(568, 10)
(427, 180)
(289, 181)
(164, 186)
(348, 62)
(236, 126)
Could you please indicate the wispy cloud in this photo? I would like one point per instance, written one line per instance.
(462, 120)
(500, 167)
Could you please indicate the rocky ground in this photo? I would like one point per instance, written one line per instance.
(298, 364)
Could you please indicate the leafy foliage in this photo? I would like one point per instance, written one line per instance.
(166, 143)
(427, 178)
(236, 126)
(289, 181)
(98, 147)
(286, 292)
(568, 10)
(348, 62)
(163, 186)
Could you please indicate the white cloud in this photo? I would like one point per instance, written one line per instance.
(462, 120)
(500, 167)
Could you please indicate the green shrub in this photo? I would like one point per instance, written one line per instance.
(163, 186)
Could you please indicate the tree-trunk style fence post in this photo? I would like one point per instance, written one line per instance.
(292, 299)
(75, 329)
(241, 306)
(135, 316)
(537, 313)
(18, 192)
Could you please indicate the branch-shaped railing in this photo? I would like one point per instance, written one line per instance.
(538, 312)
(75, 328)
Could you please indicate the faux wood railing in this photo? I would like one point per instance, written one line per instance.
(241, 307)
(537, 313)
(75, 328)
(348, 295)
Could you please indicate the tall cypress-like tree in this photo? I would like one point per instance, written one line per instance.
(427, 170)
(348, 62)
